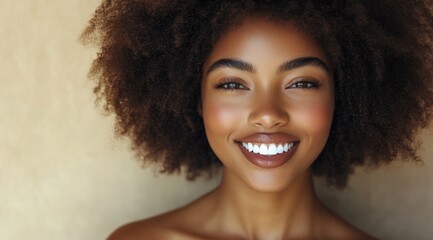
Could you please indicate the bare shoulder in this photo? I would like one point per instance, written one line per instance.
(138, 230)
(159, 227)
(179, 224)
(347, 231)
(334, 227)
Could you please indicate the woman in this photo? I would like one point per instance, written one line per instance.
(271, 91)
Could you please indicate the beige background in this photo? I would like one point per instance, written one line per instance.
(63, 175)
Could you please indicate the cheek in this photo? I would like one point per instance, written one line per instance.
(221, 117)
(315, 119)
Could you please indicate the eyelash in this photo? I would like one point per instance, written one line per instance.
(305, 84)
(234, 84)
(230, 85)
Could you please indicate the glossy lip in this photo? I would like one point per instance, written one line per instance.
(272, 161)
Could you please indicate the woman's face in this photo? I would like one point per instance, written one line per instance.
(267, 103)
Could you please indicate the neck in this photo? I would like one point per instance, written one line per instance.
(261, 215)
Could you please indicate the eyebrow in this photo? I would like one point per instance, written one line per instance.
(302, 62)
(232, 63)
(287, 66)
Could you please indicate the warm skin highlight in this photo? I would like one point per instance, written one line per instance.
(269, 102)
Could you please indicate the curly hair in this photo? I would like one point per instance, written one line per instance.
(149, 68)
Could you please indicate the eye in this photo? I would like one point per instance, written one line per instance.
(230, 85)
(306, 84)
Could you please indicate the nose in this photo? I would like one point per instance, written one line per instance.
(268, 113)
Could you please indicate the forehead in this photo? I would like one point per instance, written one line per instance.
(258, 39)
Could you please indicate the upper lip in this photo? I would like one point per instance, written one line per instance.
(267, 138)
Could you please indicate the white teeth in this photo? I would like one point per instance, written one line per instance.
(263, 150)
(250, 147)
(268, 149)
(256, 149)
(272, 150)
(286, 147)
(280, 148)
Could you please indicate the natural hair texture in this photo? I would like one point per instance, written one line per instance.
(149, 69)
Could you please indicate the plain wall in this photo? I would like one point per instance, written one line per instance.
(63, 174)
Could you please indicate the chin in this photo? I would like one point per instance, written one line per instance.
(267, 182)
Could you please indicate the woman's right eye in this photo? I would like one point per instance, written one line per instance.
(230, 85)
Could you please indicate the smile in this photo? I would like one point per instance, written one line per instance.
(268, 149)
(268, 155)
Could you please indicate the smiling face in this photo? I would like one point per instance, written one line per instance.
(267, 103)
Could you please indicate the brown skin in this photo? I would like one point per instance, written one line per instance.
(254, 202)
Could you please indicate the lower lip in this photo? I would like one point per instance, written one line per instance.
(272, 161)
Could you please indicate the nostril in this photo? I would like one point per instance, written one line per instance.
(269, 120)
(268, 112)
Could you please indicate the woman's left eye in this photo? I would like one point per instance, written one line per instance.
(305, 84)
(230, 85)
